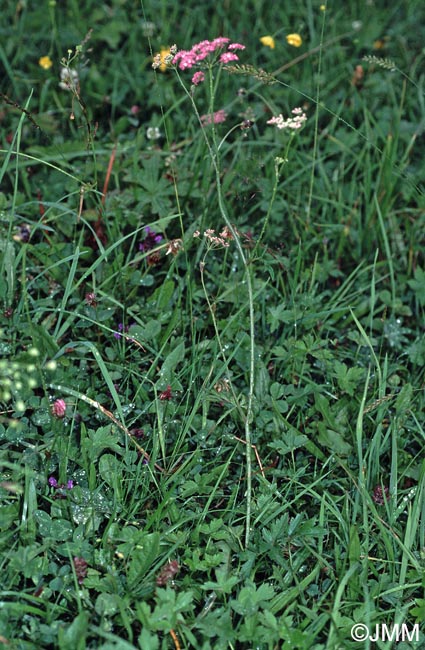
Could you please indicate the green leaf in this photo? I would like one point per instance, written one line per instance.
(143, 557)
(43, 341)
(170, 363)
(404, 399)
(148, 641)
(162, 295)
(348, 378)
(110, 468)
(333, 440)
(354, 548)
(74, 636)
(250, 598)
(107, 604)
(418, 285)
(61, 530)
(7, 265)
(97, 441)
(419, 611)
(291, 441)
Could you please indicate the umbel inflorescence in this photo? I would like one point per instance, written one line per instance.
(220, 50)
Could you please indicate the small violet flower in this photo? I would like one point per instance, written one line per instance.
(150, 241)
(54, 484)
(121, 328)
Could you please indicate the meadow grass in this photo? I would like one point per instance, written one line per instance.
(211, 336)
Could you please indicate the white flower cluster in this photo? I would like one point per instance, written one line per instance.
(69, 78)
(293, 123)
(221, 240)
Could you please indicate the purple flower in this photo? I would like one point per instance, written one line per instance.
(121, 328)
(54, 484)
(150, 241)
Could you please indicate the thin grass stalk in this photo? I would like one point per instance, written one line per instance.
(235, 235)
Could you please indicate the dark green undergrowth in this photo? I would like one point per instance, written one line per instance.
(212, 443)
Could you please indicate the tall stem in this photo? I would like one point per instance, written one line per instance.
(213, 152)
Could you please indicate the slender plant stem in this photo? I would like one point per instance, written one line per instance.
(213, 150)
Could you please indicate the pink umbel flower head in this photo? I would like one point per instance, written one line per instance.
(186, 59)
(214, 118)
(227, 57)
(198, 78)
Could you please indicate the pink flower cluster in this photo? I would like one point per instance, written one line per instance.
(198, 78)
(214, 118)
(186, 59)
(221, 240)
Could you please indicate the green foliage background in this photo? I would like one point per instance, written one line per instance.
(153, 354)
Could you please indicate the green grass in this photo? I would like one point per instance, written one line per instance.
(208, 446)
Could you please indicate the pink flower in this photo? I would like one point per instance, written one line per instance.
(186, 59)
(59, 408)
(198, 78)
(221, 41)
(216, 118)
(227, 57)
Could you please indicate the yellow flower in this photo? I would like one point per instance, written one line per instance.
(45, 62)
(322, 7)
(268, 41)
(294, 39)
(164, 52)
(379, 44)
